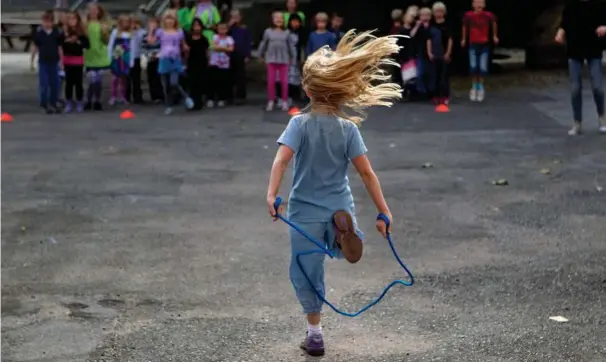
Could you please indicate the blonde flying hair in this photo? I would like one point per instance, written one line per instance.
(352, 76)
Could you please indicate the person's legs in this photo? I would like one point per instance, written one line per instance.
(115, 83)
(195, 81)
(421, 76)
(90, 90)
(271, 82)
(313, 265)
(54, 83)
(70, 84)
(483, 53)
(575, 68)
(224, 84)
(473, 71)
(167, 89)
(124, 81)
(43, 83)
(153, 79)
(446, 83)
(240, 79)
(176, 80)
(283, 73)
(78, 82)
(98, 89)
(432, 71)
(597, 84)
(135, 77)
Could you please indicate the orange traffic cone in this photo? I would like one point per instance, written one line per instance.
(6, 117)
(127, 114)
(294, 111)
(442, 108)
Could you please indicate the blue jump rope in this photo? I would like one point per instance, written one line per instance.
(322, 249)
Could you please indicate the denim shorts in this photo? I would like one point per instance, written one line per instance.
(478, 59)
(170, 65)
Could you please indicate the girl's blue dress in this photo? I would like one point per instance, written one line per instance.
(121, 57)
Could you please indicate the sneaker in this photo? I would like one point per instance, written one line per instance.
(576, 129)
(285, 106)
(210, 104)
(221, 104)
(68, 107)
(112, 101)
(79, 107)
(189, 103)
(473, 95)
(602, 128)
(51, 110)
(97, 106)
(88, 106)
(168, 111)
(480, 95)
(347, 239)
(313, 345)
(270, 106)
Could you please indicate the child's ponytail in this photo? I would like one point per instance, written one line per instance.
(352, 75)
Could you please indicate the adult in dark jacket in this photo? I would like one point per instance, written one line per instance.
(583, 30)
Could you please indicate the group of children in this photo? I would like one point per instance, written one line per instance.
(181, 63)
(427, 49)
(286, 44)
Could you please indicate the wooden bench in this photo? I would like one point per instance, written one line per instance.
(25, 32)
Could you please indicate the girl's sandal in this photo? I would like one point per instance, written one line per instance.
(347, 239)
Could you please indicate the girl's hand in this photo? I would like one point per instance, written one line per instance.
(447, 57)
(601, 31)
(430, 56)
(271, 200)
(463, 43)
(382, 227)
(495, 40)
(559, 38)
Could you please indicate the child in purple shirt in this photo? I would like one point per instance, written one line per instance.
(170, 64)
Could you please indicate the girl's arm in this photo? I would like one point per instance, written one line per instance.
(371, 182)
(449, 47)
(463, 33)
(33, 54)
(263, 44)
(283, 157)
(428, 49)
(495, 31)
(309, 47)
(110, 43)
(230, 47)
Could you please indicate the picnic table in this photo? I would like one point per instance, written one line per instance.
(21, 26)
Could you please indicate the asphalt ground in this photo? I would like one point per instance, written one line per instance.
(148, 239)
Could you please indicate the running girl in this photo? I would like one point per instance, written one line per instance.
(324, 142)
(119, 49)
(74, 44)
(278, 51)
(170, 66)
(96, 58)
